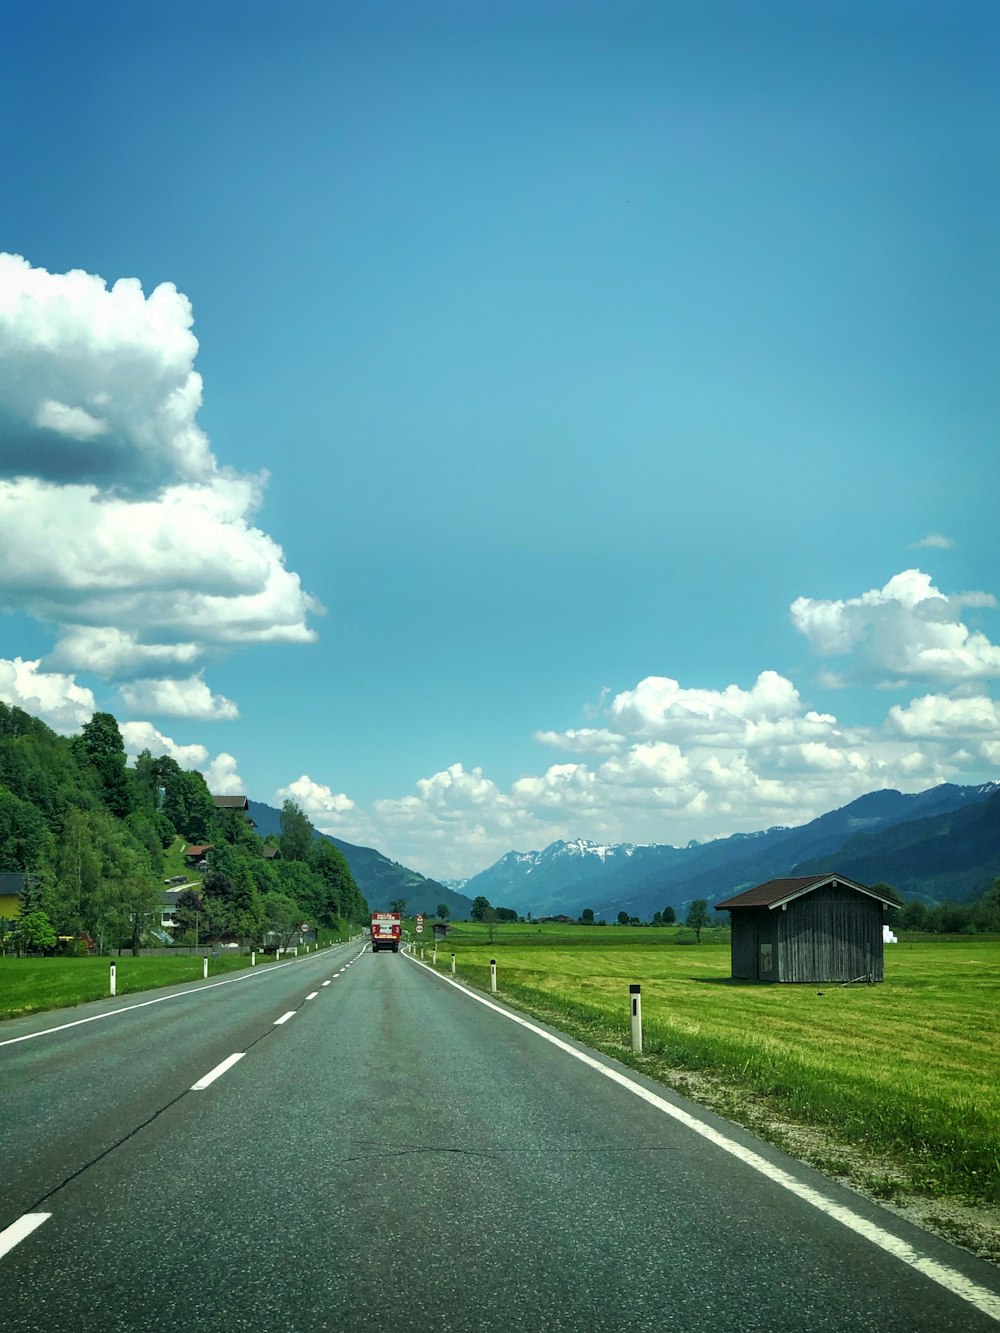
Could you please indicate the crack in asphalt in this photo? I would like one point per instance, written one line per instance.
(603, 1150)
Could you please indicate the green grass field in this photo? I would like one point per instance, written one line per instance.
(908, 1070)
(31, 985)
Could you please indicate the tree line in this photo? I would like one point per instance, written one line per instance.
(90, 833)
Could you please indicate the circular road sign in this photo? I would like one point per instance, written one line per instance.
(419, 927)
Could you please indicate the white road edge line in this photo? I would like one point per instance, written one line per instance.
(284, 1018)
(143, 1004)
(984, 1300)
(17, 1231)
(217, 1072)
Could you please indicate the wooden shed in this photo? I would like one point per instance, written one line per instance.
(816, 928)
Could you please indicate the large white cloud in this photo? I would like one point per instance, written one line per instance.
(905, 631)
(179, 698)
(151, 562)
(99, 384)
(321, 803)
(54, 697)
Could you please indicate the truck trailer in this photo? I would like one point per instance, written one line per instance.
(386, 930)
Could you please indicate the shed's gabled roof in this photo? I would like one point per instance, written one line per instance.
(777, 892)
(231, 802)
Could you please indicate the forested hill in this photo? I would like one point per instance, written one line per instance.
(92, 837)
(381, 880)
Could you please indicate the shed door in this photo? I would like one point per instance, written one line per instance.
(765, 960)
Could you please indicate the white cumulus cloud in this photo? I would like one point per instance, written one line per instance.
(54, 697)
(317, 801)
(905, 631)
(152, 561)
(179, 698)
(99, 383)
(222, 777)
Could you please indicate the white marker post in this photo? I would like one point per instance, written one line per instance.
(114, 986)
(253, 957)
(493, 975)
(453, 962)
(204, 967)
(434, 956)
(634, 996)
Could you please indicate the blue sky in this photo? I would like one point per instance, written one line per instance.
(596, 431)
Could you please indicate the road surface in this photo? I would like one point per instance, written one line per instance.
(379, 1150)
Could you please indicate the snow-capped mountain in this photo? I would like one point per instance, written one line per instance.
(949, 847)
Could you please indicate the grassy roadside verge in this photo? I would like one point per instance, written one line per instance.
(895, 1088)
(34, 985)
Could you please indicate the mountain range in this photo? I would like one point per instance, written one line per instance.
(939, 844)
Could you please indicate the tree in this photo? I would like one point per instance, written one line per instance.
(480, 907)
(657, 918)
(887, 891)
(506, 914)
(340, 890)
(442, 911)
(912, 916)
(100, 744)
(623, 918)
(189, 912)
(282, 918)
(668, 916)
(35, 933)
(697, 917)
(587, 916)
(296, 833)
(398, 905)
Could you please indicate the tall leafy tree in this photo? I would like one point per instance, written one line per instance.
(340, 890)
(296, 832)
(100, 744)
(25, 840)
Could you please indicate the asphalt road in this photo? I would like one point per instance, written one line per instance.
(397, 1155)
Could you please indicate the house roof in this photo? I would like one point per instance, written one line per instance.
(199, 849)
(11, 883)
(231, 802)
(777, 892)
(272, 853)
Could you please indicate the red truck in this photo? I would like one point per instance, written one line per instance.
(387, 930)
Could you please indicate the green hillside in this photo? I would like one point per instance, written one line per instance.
(92, 840)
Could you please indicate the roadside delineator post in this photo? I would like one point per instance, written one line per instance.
(434, 956)
(113, 982)
(493, 975)
(453, 962)
(634, 996)
(253, 957)
(204, 966)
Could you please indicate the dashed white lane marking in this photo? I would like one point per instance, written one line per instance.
(17, 1231)
(326, 983)
(312, 995)
(217, 1072)
(984, 1300)
(284, 1018)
